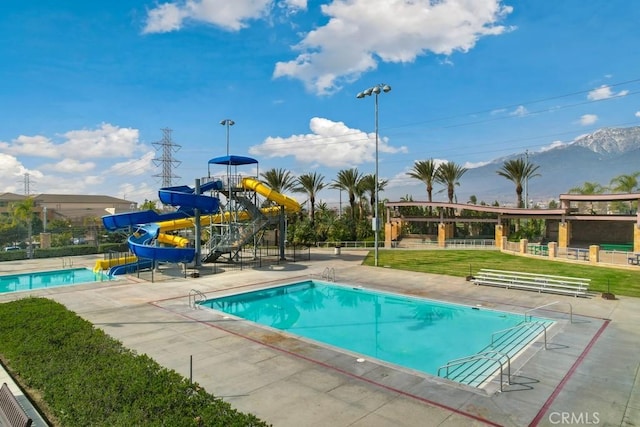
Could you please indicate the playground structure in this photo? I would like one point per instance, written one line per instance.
(214, 219)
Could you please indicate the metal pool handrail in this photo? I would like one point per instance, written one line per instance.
(195, 296)
(547, 305)
(482, 356)
(522, 325)
(329, 274)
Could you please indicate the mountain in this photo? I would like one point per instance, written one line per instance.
(597, 157)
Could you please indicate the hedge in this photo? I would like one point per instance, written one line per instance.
(87, 378)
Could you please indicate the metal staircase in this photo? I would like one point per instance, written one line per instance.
(237, 233)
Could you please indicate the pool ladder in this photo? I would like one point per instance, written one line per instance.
(329, 274)
(196, 297)
(67, 262)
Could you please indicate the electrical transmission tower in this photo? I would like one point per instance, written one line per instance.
(27, 183)
(168, 147)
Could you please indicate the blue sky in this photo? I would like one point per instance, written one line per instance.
(88, 86)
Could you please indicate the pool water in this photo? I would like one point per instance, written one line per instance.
(48, 279)
(411, 332)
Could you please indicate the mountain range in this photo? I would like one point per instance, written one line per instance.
(597, 157)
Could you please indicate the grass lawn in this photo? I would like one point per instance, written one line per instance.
(462, 263)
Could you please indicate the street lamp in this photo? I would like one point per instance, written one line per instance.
(228, 123)
(375, 90)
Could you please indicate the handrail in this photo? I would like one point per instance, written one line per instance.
(195, 296)
(521, 325)
(329, 274)
(547, 305)
(480, 356)
(64, 262)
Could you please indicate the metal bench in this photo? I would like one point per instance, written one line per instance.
(533, 282)
(11, 413)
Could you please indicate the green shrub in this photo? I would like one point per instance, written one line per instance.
(87, 378)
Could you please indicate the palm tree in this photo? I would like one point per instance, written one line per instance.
(368, 185)
(518, 171)
(588, 188)
(425, 171)
(625, 183)
(279, 180)
(23, 212)
(311, 184)
(449, 174)
(348, 180)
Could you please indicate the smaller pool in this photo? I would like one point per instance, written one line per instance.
(48, 279)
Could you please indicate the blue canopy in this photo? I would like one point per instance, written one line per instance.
(233, 160)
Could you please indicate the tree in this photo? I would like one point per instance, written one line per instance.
(23, 212)
(279, 180)
(449, 174)
(425, 171)
(588, 188)
(348, 180)
(625, 183)
(518, 171)
(368, 185)
(149, 205)
(311, 184)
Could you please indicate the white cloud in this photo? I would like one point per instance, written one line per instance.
(70, 166)
(637, 114)
(554, 144)
(330, 144)
(520, 111)
(604, 92)
(229, 15)
(38, 145)
(106, 141)
(134, 167)
(473, 165)
(13, 173)
(588, 119)
(360, 33)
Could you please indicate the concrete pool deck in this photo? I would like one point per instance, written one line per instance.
(589, 375)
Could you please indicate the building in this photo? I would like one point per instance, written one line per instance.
(71, 207)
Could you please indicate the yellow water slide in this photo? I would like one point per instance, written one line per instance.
(289, 204)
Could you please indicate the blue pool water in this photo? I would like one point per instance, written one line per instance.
(411, 332)
(48, 279)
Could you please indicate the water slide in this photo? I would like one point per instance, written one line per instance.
(151, 227)
(148, 224)
(290, 205)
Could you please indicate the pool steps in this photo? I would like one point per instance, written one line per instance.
(475, 370)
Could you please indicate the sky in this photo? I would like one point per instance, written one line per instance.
(87, 87)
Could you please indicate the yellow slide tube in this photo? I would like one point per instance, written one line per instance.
(289, 204)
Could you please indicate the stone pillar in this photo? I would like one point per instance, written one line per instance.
(442, 234)
(636, 238)
(564, 234)
(499, 233)
(594, 254)
(552, 247)
(45, 240)
(523, 246)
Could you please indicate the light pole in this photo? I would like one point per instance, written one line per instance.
(375, 90)
(228, 123)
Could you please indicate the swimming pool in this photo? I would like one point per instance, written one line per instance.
(411, 332)
(48, 279)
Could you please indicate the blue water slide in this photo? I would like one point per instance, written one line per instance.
(130, 267)
(141, 243)
(132, 219)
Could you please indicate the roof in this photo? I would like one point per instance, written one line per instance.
(233, 160)
(66, 198)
